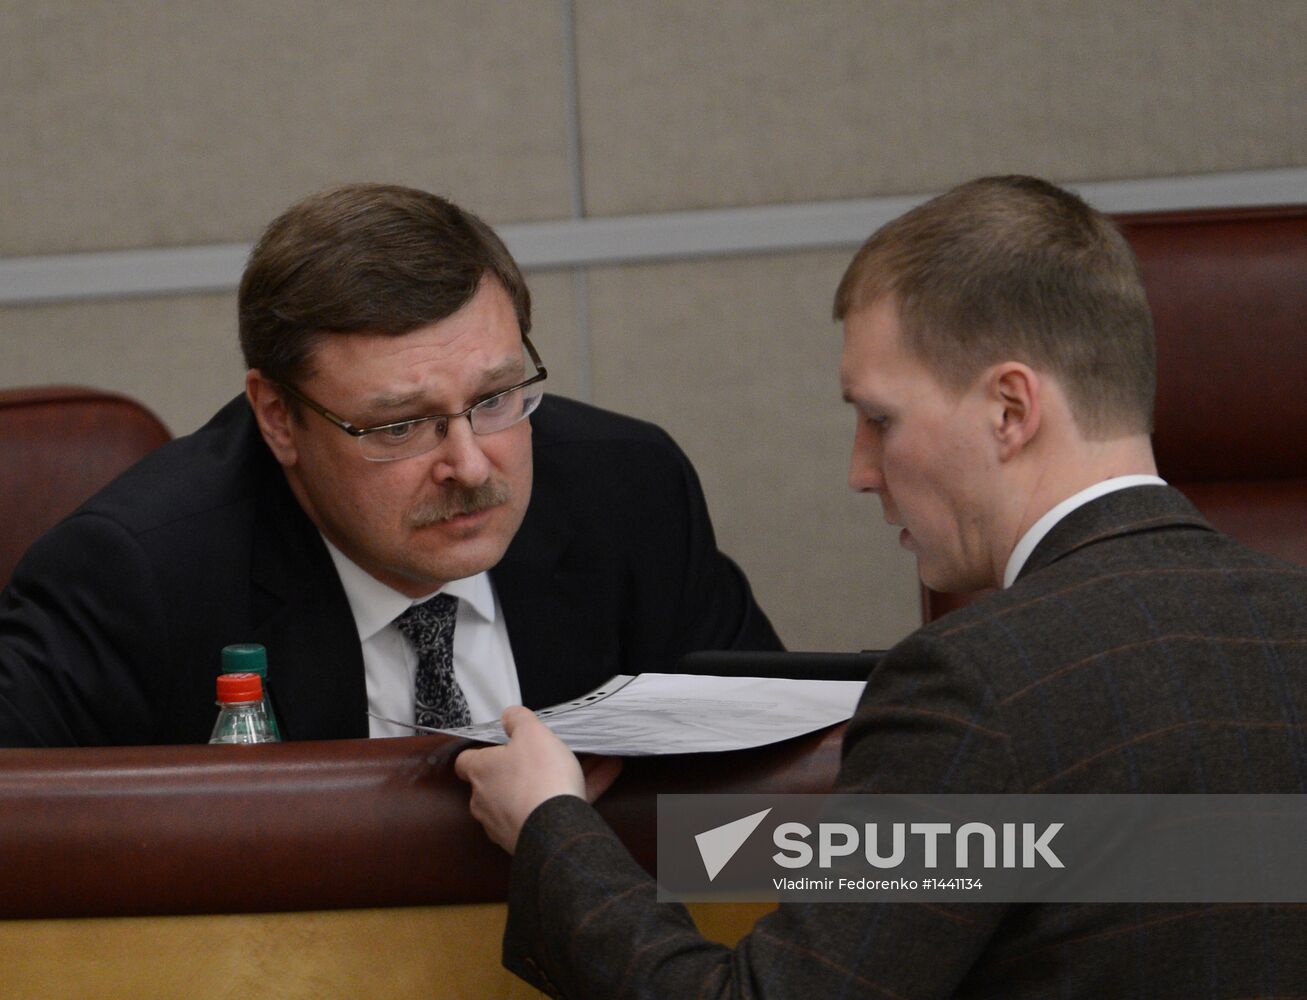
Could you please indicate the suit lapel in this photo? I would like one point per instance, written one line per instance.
(548, 596)
(1123, 512)
(300, 613)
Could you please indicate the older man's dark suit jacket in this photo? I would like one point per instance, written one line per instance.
(111, 627)
(1140, 651)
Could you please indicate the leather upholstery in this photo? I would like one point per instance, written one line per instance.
(334, 824)
(59, 445)
(1228, 290)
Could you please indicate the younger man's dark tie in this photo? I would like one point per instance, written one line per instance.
(438, 700)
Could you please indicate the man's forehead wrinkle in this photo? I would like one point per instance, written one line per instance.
(514, 365)
(392, 399)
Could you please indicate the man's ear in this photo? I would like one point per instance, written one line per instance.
(275, 420)
(1016, 392)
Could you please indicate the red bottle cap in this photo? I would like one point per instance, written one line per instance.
(239, 687)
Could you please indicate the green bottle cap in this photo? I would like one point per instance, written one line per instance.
(245, 658)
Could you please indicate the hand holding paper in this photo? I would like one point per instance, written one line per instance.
(509, 781)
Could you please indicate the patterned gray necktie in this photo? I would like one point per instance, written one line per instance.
(438, 700)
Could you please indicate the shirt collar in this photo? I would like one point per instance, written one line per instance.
(375, 605)
(1045, 524)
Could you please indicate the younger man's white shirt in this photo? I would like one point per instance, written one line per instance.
(483, 658)
(1035, 534)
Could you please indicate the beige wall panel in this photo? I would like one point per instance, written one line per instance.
(737, 360)
(151, 124)
(556, 331)
(686, 104)
(179, 355)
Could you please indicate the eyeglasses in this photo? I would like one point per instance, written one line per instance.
(410, 438)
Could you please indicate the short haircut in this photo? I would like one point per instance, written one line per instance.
(364, 258)
(1017, 269)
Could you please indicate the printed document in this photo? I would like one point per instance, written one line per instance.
(686, 713)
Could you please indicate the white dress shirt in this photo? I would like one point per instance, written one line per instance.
(1045, 524)
(483, 658)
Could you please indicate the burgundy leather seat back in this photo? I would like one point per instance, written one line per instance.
(288, 827)
(1228, 290)
(58, 445)
(1229, 296)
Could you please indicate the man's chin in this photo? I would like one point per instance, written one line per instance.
(450, 551)
(931, 574)
(945, 580)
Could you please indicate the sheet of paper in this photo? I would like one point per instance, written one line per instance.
(683, 713)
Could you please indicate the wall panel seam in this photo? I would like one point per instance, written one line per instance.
(580, 281)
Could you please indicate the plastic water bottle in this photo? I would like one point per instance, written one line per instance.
(241, 718)
(251, 658)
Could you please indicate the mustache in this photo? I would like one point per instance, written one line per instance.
(458, 500)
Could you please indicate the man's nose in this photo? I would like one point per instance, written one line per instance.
(865, 473)
(460, 457)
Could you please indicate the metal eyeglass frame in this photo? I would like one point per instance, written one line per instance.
(358, 433)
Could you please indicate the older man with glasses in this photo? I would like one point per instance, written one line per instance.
(377, 510)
